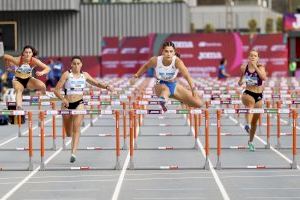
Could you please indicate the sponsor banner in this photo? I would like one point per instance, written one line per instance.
(123, 58)
(134, 52)
(202, 53)
(273, 53)
(110, 56)
(291, 21)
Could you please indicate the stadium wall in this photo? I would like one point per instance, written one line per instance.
(67, 33)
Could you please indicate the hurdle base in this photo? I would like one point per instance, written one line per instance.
(218, 165)
(117, 166)
(278, 146)
(196, 146)
(124, 146)
(131, 164)
(206, 165)
(267, 146)
(54, 145)
(42, 167)
(30, 166)
(294, 164)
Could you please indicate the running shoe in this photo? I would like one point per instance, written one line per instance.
(251, 146)
(73, 158)
(162, 102)
(247, 128)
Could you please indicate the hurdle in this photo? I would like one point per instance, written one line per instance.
(80, 112)
(30, 142)
(133, 139)
(219, 147)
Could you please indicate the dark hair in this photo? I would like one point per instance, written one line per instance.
(34, 51)
(170, 44)
(76, 57)
(222, 61)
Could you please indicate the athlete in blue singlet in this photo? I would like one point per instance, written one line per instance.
(254, 74)
(166, 68)
(222, 74)
(73, 83)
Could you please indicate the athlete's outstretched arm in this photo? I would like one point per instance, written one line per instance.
(151, 62)
(59, 86)
(94, 82)
(10, 59)
(243, 68)
(46, 68)
(185, 73)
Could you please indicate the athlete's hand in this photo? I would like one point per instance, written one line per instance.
(110, 88)
(65, 103)
(40, 73)
(194, 91)
(240, 83)
(132, 80)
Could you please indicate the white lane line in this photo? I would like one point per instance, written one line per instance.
(272, 148)
(20, 184)
(23, 133)
(122, 175)
(212, 169)
(121, 178)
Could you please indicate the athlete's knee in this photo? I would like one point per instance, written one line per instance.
(42, 87)
(18, 90)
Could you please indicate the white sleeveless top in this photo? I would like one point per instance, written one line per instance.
(75, 85)
(166, 73)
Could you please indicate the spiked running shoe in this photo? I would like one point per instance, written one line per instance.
(162, 103)
(73, 158)
(251, 147)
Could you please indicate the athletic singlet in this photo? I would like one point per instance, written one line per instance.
(165, 73)
(252, 79)
(24, 70)
(75, 85)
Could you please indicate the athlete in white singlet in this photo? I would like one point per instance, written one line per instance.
(166, 68)
(73, 83)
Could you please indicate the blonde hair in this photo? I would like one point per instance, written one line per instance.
(255, 50)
